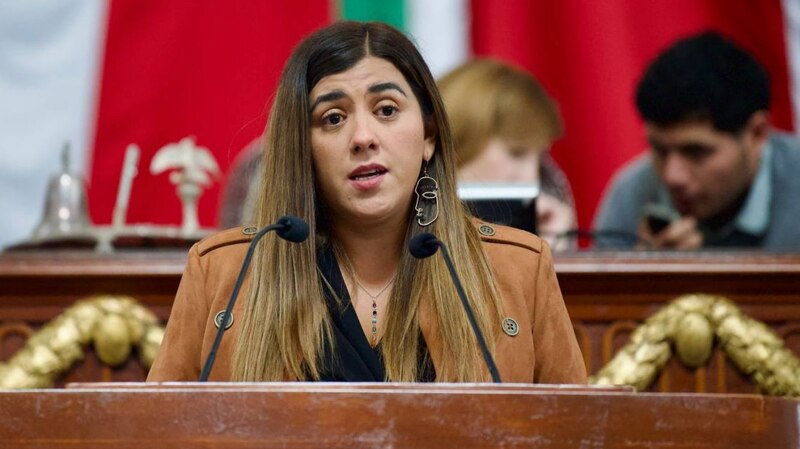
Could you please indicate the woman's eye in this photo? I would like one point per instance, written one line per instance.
(387, 111)
(333, 119)
(518, 153)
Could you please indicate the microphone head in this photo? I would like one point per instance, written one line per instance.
(294, 229)
(423, 245)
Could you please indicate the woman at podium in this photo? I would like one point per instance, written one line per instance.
(359, 146)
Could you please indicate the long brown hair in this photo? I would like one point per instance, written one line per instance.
(285, 326)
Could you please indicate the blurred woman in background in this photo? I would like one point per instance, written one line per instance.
(503, 125)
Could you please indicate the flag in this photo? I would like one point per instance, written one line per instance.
(49, 52)
(439, 28)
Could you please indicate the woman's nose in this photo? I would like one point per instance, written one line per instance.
(364, 136)
(525, 168)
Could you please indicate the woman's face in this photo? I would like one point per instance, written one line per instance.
(368, 142)
(503, 161)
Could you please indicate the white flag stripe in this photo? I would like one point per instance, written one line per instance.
(48, 75)
(441, 30)
(791, 20)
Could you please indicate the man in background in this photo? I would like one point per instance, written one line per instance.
(716, 174)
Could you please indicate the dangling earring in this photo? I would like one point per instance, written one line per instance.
(427, 191)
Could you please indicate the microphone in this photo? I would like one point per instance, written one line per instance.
(292, 229)
(288, 228)
(425, 245)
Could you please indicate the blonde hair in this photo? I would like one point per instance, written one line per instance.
(487, 98)
(286, 325)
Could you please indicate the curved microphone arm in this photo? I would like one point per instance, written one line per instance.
(425, 245)
(288, 228)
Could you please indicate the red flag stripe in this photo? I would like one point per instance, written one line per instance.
(193, 67)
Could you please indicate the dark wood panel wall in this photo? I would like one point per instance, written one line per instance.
(607, 294)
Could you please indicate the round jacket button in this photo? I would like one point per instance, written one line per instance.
(218, 320)
(510, 327)
(486, 230)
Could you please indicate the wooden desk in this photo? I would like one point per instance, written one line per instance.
(302, 415)
(607, 295)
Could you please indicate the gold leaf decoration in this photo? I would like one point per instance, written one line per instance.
(691, 323)
(694, 339)
(115, 324)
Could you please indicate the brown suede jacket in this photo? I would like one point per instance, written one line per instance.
(544, 350)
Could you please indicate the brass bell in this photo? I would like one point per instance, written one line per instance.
(65, 209)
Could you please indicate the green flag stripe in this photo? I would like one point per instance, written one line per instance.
(388, 11)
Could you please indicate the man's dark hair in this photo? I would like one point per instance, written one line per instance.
(703, 77)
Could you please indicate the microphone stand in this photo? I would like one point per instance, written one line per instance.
(284, 226)
(430, 242)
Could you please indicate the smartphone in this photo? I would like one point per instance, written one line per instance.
(658, 217)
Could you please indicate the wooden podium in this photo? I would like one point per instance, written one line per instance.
(321, 415)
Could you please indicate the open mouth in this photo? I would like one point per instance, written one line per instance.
(369, 174)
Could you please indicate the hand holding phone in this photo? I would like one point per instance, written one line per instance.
(664, 228)
(658, 217)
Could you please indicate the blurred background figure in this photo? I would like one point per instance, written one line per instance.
(716, 174)
(240, 192)
(503, 125)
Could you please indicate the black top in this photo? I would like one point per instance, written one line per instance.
(354, 360)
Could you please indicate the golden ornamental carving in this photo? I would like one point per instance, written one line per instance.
(690, 325)
(114, 324)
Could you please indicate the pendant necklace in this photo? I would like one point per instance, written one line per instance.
(374, 298)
